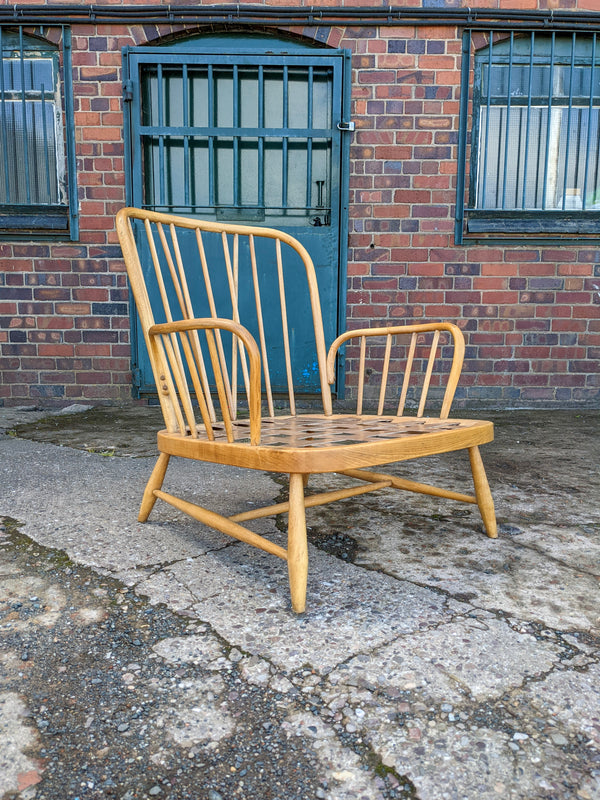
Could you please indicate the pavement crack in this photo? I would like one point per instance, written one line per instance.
(554, 559)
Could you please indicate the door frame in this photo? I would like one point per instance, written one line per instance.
(244, 45)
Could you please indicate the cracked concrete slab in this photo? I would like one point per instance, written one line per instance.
(432, 662)
(467, 658)
(242, 593)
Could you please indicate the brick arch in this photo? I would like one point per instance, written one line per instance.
(177, 34)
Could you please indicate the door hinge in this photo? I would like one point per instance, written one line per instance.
(128, 91)
(346, 126)
(136, 377)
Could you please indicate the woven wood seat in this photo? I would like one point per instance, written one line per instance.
(214, 357)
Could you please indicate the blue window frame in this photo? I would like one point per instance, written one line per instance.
(534, 165)
(37, 172)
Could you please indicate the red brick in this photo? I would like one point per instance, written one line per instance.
(55, 349)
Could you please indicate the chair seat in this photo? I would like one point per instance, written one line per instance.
(311, 443)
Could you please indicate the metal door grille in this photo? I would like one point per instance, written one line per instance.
(241, 141)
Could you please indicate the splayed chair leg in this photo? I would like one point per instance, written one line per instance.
(297, 550)
(155, 482)
(482, 493)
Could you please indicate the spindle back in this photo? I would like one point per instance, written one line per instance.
(252, 279)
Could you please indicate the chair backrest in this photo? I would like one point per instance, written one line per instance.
(236, 278)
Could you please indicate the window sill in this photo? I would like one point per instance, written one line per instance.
(26, 222)
(533, 223)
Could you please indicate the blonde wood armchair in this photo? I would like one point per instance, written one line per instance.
(215, 386)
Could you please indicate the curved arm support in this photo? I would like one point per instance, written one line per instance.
(243, 334)
(363, 333)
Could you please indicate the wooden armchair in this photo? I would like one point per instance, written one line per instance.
(200, 287)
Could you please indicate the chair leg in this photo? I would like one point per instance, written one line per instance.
(297, 550)
(482, 493)
(155, 482)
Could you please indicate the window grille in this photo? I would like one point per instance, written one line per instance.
(535, 135)
(34, 163)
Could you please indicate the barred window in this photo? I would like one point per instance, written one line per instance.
(34, 185)
(535, 136)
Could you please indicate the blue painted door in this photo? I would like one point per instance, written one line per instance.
(246, 134)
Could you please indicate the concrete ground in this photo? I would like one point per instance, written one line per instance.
(163, 660)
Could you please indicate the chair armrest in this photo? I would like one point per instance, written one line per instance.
(210, 324)
(394, 330)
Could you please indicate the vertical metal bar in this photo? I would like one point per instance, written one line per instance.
(161, 137)
(487, 124)
(24, 115)
(538, 156)
(548, 121)
(589, 126)
(528, 125)
(333, 147)
(168, 165)
(186, 138)
(462, 140)
(309, 125)
(579, 129)
(4, 132)
(499, 156)
(508, 110)
(212, 173)
(35, 178)
(284, 143)
(70, 137)
(235, 88)
(261, 139)
(45, 136)
(597, 169)
(344, 71)
(193, 192)
(569, 114)
(518, 164)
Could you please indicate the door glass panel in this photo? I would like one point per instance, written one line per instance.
(198, 96)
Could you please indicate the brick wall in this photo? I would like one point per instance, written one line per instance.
(531, 314)
(64, 307)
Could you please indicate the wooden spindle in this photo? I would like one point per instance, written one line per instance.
(407, 374)
(232, 268)
(222, 394)
(202, 388)
(213, 312)
(261, 327)
(284, 326)
(384, 374)
(428, 373)
(361, 374)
